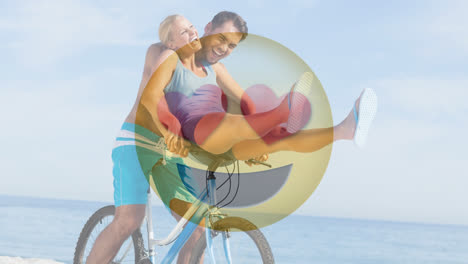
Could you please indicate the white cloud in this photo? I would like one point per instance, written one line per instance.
(44, 32)
(425, 97)
(440, 30)
(451, 25)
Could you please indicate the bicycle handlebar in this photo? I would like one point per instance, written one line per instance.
(218, 159)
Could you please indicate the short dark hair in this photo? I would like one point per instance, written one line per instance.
(224, 16)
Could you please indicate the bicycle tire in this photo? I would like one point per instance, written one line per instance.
(240, 224)
(137, 239)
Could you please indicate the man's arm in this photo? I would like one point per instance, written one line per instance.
(233, 90)
(152, 54)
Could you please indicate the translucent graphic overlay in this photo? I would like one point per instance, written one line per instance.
(267, 71)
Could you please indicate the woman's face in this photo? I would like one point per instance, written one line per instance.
(183, 33)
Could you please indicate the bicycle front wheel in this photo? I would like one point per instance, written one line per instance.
(132, 251)
(247, 243)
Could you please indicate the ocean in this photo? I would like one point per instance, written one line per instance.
(49, 228)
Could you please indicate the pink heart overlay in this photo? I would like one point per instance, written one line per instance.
(212, 111)
(264, 99)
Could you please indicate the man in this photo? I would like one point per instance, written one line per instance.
(128, 216)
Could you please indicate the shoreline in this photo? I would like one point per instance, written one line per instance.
(20, 260)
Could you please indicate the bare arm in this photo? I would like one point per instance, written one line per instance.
(162, 57)
(152, 103)
(153, 93)
(232, 89)
(155, 55)
(152, 54)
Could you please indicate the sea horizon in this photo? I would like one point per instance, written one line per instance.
(38, 230)
(104, 203)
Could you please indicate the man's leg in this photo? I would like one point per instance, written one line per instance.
(130, 197)
(127, 219)
(179, 208)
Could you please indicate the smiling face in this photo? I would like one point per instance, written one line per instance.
(183, 34)
(219, 42)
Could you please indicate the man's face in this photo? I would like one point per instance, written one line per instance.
(218, 43)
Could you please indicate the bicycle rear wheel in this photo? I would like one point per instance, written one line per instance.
(132, 251)
(247, 243)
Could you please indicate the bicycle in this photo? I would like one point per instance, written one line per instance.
(206, 207)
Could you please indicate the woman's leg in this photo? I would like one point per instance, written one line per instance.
(305, 141)
(218, 132)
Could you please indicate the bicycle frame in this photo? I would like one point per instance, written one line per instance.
(180, 234)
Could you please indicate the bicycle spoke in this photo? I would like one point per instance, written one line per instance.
(125, 255)
(242, 249)
(125, 252)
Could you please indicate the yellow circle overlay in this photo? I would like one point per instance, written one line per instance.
(260, 60)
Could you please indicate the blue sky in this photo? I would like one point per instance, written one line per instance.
(70, 71)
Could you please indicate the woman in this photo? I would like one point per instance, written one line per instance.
(194, 107)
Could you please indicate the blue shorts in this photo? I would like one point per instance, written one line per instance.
(136, 152)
